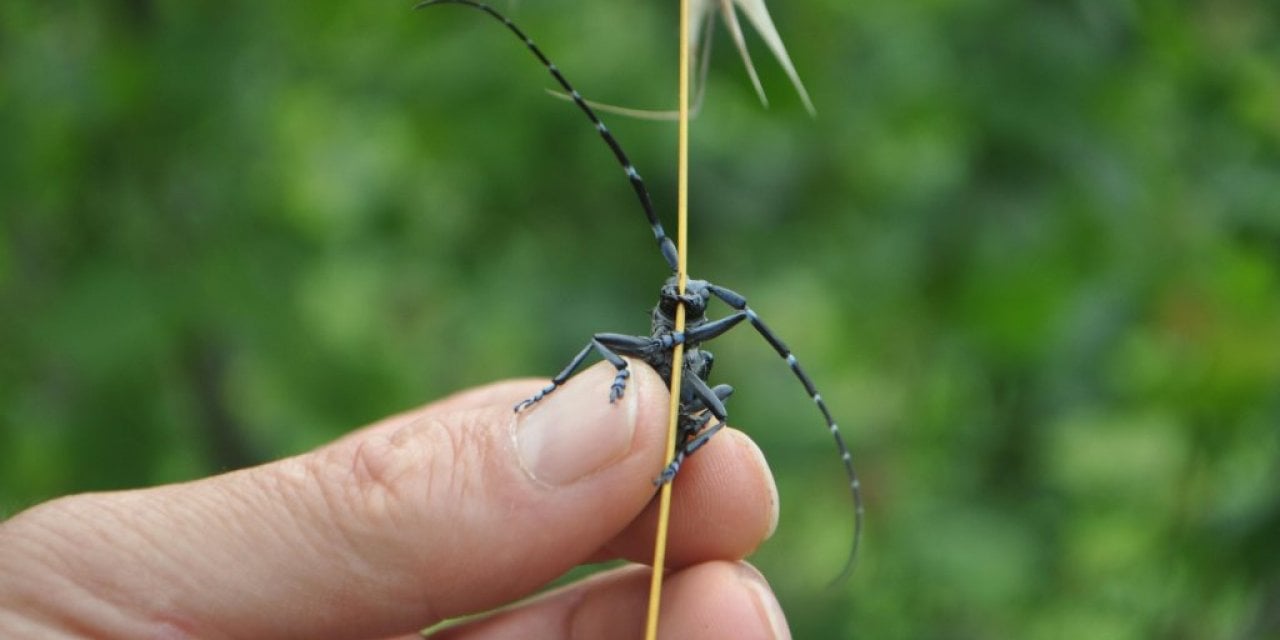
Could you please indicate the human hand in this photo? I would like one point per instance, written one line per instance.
(451, 509)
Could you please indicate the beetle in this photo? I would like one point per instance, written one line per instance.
(699, 402)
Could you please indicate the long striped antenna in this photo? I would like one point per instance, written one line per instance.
(665, 244)
(708, 331)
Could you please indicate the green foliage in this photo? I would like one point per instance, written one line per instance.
(1028, 250)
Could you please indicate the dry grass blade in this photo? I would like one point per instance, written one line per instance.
(682, 269)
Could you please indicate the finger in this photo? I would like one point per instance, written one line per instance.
(383, 533)
(724, 504)
(707, 601)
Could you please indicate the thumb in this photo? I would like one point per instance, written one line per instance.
(478, 507)
(427, 516)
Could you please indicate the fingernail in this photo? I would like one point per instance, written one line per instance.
(766, 605)
(576, 431)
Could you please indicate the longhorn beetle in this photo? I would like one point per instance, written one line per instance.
(699, 403)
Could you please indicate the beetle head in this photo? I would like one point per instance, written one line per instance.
(695, 298)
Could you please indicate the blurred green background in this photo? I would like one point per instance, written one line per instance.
(1028, 250)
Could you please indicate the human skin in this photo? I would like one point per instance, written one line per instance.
(455, 508)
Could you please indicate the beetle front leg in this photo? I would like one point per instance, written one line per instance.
(609, 346)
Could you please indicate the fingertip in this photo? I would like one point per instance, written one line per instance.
(730, 600)
(724, 505)
(766, 604)
(711, 601)
(763, 475)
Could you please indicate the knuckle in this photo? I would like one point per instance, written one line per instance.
(393, 480)
(382, 469)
